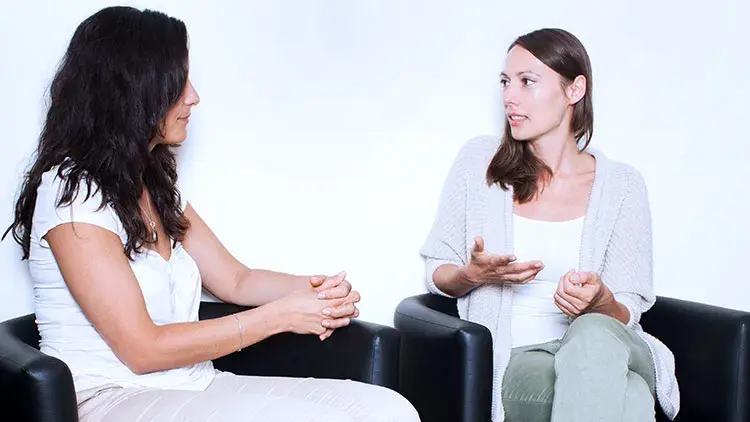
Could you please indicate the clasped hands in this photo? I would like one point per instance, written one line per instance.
(322, 307)
(336, 292)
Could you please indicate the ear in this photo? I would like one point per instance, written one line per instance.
(576, 90)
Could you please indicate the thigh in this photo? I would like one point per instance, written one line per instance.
(360, 401)
(528, 384)
(251, 398)
(603, 335)
(214, 404)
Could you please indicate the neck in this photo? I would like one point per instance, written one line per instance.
(558, 150)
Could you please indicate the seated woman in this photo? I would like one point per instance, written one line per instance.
(548, 244)
(118, 258)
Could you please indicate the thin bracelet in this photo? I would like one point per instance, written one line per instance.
(239, 326)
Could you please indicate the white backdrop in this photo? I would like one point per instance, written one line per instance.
(326, 128)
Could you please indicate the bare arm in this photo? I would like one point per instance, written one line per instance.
(97, 272)
(226, 277)
(615, 310)
(231, 281)
(451, 279)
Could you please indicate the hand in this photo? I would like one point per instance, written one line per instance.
(581, 292)
(303, 312)
(336, 287)
(485, 267)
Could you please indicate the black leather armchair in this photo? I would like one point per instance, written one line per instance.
(39, 388)
(446, 362)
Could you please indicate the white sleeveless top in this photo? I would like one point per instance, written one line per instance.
(536, 318)
(171, 289)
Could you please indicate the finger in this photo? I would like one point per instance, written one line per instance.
(341, 290)
(478, 245)
(502, 260)
(326, 334)
(352, 297)
(520, 267)
(317, 280)
(577, 303)
(319, 329)
(345, 310)
(336, 323)
(356, 312)
(524, 277)
(572, 286)
(331, 282)
(588, 278)
(575, 278)
(564, 306)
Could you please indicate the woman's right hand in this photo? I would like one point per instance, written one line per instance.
(485, 267)
(303, 311)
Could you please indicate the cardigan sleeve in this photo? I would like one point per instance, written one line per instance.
(446, 241)
(628, 262)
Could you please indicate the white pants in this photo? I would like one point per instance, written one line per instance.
(249, 398)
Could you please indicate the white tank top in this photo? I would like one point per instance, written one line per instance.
(171, 289)
(535, 317)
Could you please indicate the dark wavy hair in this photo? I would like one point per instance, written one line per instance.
(123, 70)
(515, 164)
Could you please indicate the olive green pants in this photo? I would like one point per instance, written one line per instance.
(600, 371)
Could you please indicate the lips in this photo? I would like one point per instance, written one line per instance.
(516, 119)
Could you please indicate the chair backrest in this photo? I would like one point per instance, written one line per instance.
(22, 328)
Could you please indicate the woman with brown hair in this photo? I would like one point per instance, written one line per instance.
(548, 244)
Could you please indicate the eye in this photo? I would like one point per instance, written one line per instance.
(504, 82)
(528, 82)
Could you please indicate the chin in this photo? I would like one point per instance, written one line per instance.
(520, 135)
(176, 140)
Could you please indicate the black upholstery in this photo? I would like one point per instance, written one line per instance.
(446, 362)
(39, 388)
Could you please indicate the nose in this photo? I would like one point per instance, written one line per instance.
(509, 96)
(191, 95)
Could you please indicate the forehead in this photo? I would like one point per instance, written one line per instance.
(521, 60)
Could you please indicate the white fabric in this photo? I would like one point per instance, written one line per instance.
(171, 290)
(536, 318)
(239, 398)
(616, 244)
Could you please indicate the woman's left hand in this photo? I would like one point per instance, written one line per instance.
(581, 292)
(336, 287)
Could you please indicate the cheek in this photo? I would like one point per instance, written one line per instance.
(549, 105)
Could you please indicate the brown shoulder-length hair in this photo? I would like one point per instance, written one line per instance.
(514, 163)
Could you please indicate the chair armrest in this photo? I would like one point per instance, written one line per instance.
(712, 357)
(33, 386)
(363, 351)
(446, 362)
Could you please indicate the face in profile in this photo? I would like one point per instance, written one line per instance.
(537, 100)
(174, 128)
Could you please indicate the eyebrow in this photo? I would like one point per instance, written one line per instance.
(521, 73)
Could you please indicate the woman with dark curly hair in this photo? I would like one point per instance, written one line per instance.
(118, 257)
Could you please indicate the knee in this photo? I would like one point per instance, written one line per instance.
(389, 406)
(597, 329)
